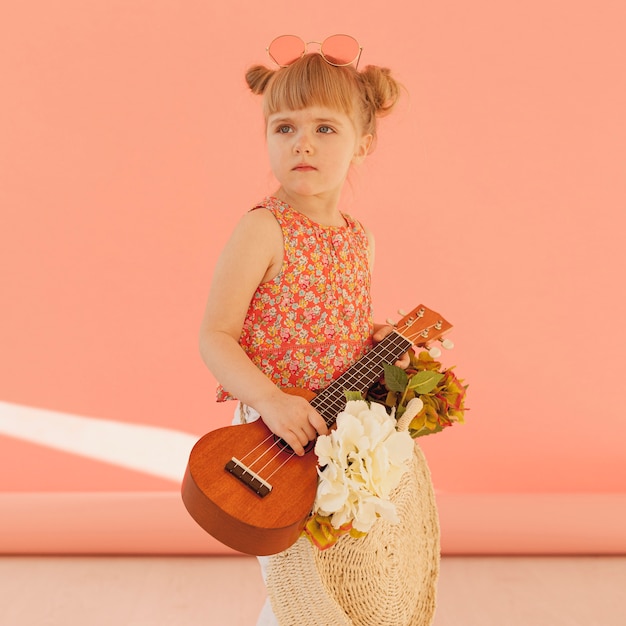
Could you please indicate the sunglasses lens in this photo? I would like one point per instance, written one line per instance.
(286, 49)
(340, 49)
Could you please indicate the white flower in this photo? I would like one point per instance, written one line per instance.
(362, 461)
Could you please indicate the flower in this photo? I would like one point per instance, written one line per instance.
(441, 393)
(361, 463)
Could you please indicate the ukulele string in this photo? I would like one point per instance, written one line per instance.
(280, 449)
(332, 400)
(275, 445)
(291, 455)
(261, 443)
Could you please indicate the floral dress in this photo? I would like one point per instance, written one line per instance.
(314, 319)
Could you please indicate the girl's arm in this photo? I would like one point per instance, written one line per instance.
(253, 255)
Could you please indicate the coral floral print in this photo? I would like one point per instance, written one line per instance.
(311, 322)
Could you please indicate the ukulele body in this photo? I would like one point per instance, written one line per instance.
(234, 513)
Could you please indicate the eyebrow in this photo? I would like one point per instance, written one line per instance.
(318, 120)
(328, 120)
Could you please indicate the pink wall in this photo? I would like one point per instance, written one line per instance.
(129, 147)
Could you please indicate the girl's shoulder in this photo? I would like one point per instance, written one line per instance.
(356, 227)
(274, 205)
(257, 225)
(275, 210)
(287, 217)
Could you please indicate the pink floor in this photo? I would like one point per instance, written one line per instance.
(227, 591)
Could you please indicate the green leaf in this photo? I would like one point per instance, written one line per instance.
(353, 395)
(424, 381)
(425, 431)
(395, 377)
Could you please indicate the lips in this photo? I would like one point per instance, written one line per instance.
(303, 167)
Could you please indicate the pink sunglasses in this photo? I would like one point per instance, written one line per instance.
(338, 50)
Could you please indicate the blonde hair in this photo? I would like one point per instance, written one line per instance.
(311, 81)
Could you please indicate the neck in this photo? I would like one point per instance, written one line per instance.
(360, 376)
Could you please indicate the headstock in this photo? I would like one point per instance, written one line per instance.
(422, 326)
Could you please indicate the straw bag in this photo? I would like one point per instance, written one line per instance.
(387, 578)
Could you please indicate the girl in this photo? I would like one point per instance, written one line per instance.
(289, 304)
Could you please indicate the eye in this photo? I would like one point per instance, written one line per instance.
(325, 130)
(283, 129)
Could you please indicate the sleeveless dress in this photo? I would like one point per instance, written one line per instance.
(314, 319)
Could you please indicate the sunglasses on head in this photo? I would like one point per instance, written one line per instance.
(338, 50)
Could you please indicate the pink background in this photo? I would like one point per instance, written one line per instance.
(129, 147)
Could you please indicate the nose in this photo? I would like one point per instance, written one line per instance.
(303, 144)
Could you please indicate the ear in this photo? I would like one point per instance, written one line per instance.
(362, 148)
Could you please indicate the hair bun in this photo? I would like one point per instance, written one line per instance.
(257, 78)
(383, 90)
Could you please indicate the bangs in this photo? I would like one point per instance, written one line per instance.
(311, 81)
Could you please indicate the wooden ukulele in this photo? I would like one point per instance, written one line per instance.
(247, 488)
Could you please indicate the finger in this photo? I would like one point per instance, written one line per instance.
(404, 361)
(318, 423)
(381, 333)
(309, 431)
(294, 442)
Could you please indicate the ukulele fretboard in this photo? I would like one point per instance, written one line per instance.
(360, 377)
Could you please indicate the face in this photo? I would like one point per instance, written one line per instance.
(311, 150)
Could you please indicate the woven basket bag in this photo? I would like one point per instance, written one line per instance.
(387, 578)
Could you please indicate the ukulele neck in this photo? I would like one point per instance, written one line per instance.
(360, 377)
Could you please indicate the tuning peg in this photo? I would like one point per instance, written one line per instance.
(435, 352)
(402, 312)
(391, 322)
(448, 344)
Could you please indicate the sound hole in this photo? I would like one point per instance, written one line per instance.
(287, 448)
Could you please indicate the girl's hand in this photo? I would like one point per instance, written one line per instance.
(292, 419)
(380, 332)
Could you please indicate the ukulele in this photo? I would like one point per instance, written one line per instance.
(247, 488)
